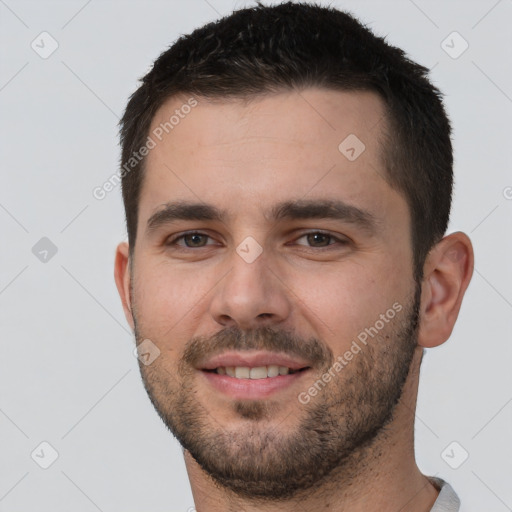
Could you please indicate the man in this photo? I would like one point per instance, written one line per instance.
(287, 181)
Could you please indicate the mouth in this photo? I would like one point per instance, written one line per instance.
(251, 375)
(255, 373)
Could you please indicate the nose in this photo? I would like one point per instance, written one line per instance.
(251, 295)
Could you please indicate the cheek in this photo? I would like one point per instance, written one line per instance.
(342, 303)
(166, 300)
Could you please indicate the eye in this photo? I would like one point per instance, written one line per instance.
(314, 240)
(192, 240)
(319, 239)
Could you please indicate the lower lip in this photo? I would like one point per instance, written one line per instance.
(252, 389)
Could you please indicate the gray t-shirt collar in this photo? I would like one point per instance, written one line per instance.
(447, 501)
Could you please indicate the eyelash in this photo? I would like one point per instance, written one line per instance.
(172, 242)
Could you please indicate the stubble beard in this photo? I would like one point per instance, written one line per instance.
(255, 457)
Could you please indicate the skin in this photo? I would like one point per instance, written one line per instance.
(246, 157)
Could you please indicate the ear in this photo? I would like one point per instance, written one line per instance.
(122, 277)
(446, 275)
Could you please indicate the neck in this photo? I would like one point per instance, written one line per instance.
(384, 475)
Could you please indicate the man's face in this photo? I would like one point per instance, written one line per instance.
(268, 287)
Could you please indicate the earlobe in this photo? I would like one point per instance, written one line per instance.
(447, 272)
(122, 277)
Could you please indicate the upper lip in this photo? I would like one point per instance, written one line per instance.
(252, 360)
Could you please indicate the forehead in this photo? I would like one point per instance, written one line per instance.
(309, 116)
(249, 155)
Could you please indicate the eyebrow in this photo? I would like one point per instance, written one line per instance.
(288, 210)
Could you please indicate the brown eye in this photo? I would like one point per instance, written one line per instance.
(319, 239)
(192, 240)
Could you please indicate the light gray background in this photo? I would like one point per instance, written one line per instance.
(67, 372)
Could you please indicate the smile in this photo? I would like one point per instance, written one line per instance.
(258, 372)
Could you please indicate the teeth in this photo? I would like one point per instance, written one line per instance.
(258, 372)
(273, 370)
(242, 372)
